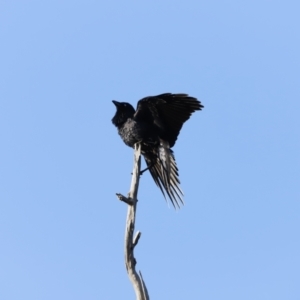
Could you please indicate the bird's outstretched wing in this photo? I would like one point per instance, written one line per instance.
(167, 112)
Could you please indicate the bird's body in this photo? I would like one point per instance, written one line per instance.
(156, 124)
(132, 132)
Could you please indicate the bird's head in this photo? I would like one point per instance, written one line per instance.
(124, 112)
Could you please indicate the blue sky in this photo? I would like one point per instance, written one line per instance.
(62, 161)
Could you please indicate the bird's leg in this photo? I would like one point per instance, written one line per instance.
(148, 168)
(141, 172)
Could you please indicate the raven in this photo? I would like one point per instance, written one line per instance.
(156, 124)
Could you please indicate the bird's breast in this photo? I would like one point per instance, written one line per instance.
(132, 132)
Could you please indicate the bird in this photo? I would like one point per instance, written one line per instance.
(156, 123)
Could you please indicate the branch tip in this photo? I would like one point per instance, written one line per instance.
(122, 198)
(136, 238)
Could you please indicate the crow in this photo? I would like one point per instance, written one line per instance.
(156, 124)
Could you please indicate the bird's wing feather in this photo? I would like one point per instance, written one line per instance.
(167, 112)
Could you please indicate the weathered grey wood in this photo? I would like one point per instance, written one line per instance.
(130, 240)
(124, 199)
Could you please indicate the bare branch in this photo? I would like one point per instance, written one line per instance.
(136, 238)
(124, 199)
(130, 241)
(145, 291)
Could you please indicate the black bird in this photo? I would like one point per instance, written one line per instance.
(156, 124)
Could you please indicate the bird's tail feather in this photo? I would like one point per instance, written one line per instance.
(164, 171)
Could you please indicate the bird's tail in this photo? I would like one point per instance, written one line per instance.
(164, 171)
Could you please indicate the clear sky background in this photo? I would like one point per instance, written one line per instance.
(62, 161)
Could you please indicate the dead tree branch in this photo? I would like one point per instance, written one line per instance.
(130, 240)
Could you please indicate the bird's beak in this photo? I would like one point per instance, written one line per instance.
(116, 103)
